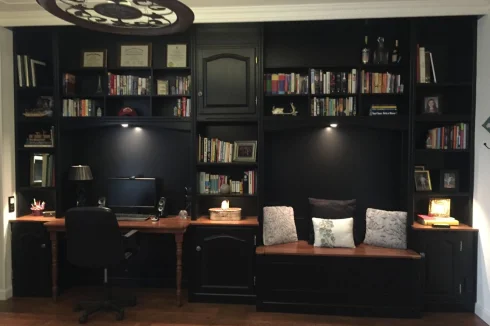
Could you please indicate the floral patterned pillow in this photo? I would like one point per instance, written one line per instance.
(336, 233)
(279, 226)
(386, 229)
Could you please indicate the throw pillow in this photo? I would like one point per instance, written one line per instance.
(386, 228)
(279, 226)
(334, 233)
(330, 209)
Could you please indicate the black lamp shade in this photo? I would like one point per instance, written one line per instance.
(80, 173)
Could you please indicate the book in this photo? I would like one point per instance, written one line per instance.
(430, 220)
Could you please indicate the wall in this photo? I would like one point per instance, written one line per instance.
(7, 163)
(481, 208)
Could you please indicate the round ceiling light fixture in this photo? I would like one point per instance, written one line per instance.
(128, 17)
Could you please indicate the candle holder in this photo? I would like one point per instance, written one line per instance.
(225, 213)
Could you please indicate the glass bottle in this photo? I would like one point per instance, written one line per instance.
(394, 53)
(365, 53)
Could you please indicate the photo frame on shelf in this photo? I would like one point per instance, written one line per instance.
(134, 55)
(419, 167)
(449, 181)
(245, 151)
(176, 55)
(422, 181)
(432, 104)
(95, 58)
(440, 207)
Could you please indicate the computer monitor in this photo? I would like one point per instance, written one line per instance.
(131, 193)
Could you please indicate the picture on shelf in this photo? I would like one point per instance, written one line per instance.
(177, 55)
(419, 167)
(94, 58)
(449, 180)
(432, 104)
(135, 55)
(440, 207)
(422, 181)
(245, 151)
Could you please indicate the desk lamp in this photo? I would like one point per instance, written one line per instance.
(79, 174)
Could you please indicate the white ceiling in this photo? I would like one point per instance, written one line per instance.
(29, 13)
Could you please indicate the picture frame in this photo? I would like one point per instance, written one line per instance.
(419, 167)
(449, 181)
(176, 55)
(245, 151)
(432, 104)
(134, 55)
(94, 58)
(440, 207)
(422, 181)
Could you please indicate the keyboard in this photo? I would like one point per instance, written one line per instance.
(132, 217)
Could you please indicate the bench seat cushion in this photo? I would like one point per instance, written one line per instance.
(302, 248)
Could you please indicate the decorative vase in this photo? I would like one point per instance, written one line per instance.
(224, 189)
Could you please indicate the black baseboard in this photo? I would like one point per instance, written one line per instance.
(222, 298)
(358, 311)
(451, 307)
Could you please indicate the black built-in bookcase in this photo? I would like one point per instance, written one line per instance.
(367, 158)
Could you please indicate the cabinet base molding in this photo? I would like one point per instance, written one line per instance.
(6, 294)
(222, 298)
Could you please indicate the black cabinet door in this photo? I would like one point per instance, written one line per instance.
(31, 260)
(225, 260)
(226, 80)
(450, 267)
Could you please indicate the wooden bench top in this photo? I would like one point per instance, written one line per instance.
(302, 248)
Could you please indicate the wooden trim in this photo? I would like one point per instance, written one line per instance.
(302, 248)
(31, 218)
(246, 221)
(461, 227)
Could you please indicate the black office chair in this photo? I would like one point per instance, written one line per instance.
(94, 240)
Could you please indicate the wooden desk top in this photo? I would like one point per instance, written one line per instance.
(246, 221)
(164, 225)
(461, 227)
(32, 218)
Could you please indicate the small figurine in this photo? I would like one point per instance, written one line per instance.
(280, 111)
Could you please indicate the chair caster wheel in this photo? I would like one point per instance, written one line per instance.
(83, 319)
(120, 315)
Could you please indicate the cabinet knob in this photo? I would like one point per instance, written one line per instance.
(198, 248)
(43, 246)
(199, 94)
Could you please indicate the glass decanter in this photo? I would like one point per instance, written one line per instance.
(380, 54)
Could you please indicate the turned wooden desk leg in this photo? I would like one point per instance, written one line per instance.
(179, 239)
(54, 264)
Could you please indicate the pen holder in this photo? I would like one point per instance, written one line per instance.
(37, 212)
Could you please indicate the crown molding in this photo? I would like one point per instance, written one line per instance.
(346, 10)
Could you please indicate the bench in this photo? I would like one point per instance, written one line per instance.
(365, 281)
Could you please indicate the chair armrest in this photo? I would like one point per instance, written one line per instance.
(130, 234)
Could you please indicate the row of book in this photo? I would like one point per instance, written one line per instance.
(211, 183)
(380, 83)
(41, 139)
(450, 137)
(285, 83)
(383, 109)
(183, 108)
(213, 150)
(31, 73)
(47, 173)
(426, 72)
(431, 220)
(181, 86)
(333, 107)
(128, 85)
(81, 108)
(328, 82)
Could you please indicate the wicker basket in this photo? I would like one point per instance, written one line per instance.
(230, 214)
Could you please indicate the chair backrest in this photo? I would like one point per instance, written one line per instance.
(93, 237)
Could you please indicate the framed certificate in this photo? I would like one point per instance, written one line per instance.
(176, 55)
(94, 58)
(137, 55)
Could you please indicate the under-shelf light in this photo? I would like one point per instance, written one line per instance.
(333, 125)
(124, 125)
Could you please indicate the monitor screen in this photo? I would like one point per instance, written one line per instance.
(124, 192)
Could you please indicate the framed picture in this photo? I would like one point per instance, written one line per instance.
(432, 104)
(176, 55)
(245, 151)
(422, 181)
(440, 207)
(419, 167)
(449, 180)
(135, 55)
(94, 58)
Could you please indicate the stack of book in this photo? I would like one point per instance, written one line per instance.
(426, 72)
(328, 107)
(183, 108)
(282, 83)
(450, 137)
(128, 85)
(380, 83)
(213, 150)
(329, 82)
(383, 109)
(41, 139)
(211, 183)
(79, 108)
(431, 220)
(31, 73)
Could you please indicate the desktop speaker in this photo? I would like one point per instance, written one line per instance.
(161, 207)
(101, 201)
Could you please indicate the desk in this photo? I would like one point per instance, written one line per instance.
(173, 225)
